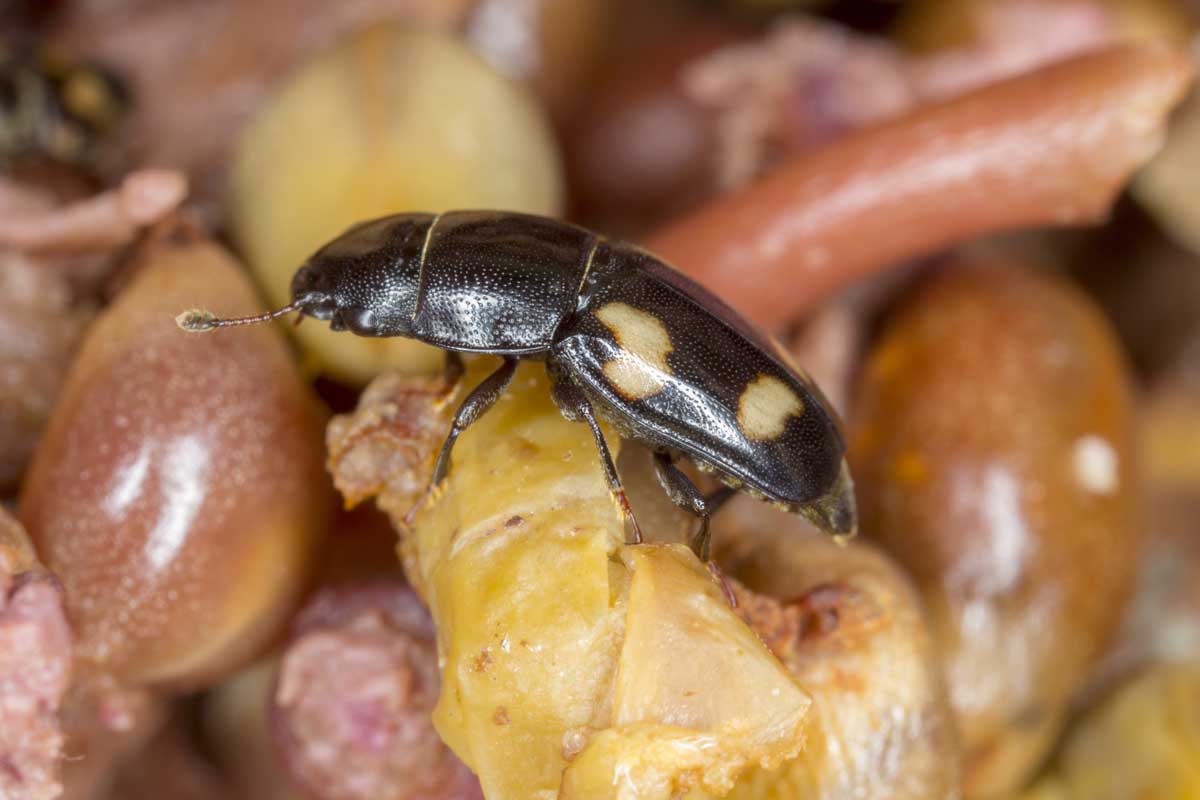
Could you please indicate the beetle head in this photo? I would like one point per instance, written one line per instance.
(366, 280)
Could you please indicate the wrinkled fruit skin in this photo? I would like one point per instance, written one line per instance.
(993, 450)
(35, 667)
(567, 659)
(849, 626)
(353, 695)
(178, 491)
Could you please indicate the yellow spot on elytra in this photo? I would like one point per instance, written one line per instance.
(640, 369)
(765, 406)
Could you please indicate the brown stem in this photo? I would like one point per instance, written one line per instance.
(108, 220)
(1052, 147)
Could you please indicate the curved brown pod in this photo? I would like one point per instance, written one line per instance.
(1051, 147)
(178, 490)
(993, 449)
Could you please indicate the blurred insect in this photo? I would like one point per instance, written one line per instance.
(54, 108)
(621, 333)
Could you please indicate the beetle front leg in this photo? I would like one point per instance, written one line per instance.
(481, 398)
(575, 406)
(683, 493)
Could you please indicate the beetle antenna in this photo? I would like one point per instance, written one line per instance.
(199, 319)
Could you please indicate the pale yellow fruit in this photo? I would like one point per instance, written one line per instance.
(572, 662)
(1144, 743)
(393, 119)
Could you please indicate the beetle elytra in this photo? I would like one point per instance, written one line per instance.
(622, 335)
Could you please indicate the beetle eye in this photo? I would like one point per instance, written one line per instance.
(361, 321)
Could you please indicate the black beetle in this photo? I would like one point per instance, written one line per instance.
(661, 358)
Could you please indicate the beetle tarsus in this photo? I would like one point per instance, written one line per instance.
(428, 497)
(627, 512)
(721, 579)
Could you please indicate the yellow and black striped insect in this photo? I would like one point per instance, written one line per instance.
(55, 108)
(623, 336)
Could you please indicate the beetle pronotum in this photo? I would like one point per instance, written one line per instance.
(622, 335)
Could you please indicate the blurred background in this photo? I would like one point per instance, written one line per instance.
(976, 223)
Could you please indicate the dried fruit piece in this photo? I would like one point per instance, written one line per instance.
(802, 84)
(520, 560)
(1167, 187)
(393, 119)
(1144, 742)
(351, 706)
(695, 701)
(43, 246)
(178, 492)
(391, 442)
(993, 446)
(199, 68)
(35, 666)
(850, 628)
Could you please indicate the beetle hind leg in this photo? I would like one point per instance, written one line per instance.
(574, 406)
(683, 493)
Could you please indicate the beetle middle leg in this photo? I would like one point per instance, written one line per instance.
(574, 406)
(683, 493)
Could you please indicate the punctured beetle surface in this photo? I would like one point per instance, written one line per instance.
(620, 332)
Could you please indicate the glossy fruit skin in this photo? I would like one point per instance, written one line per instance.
(178, 491)
(664, 360)
(993, 436)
